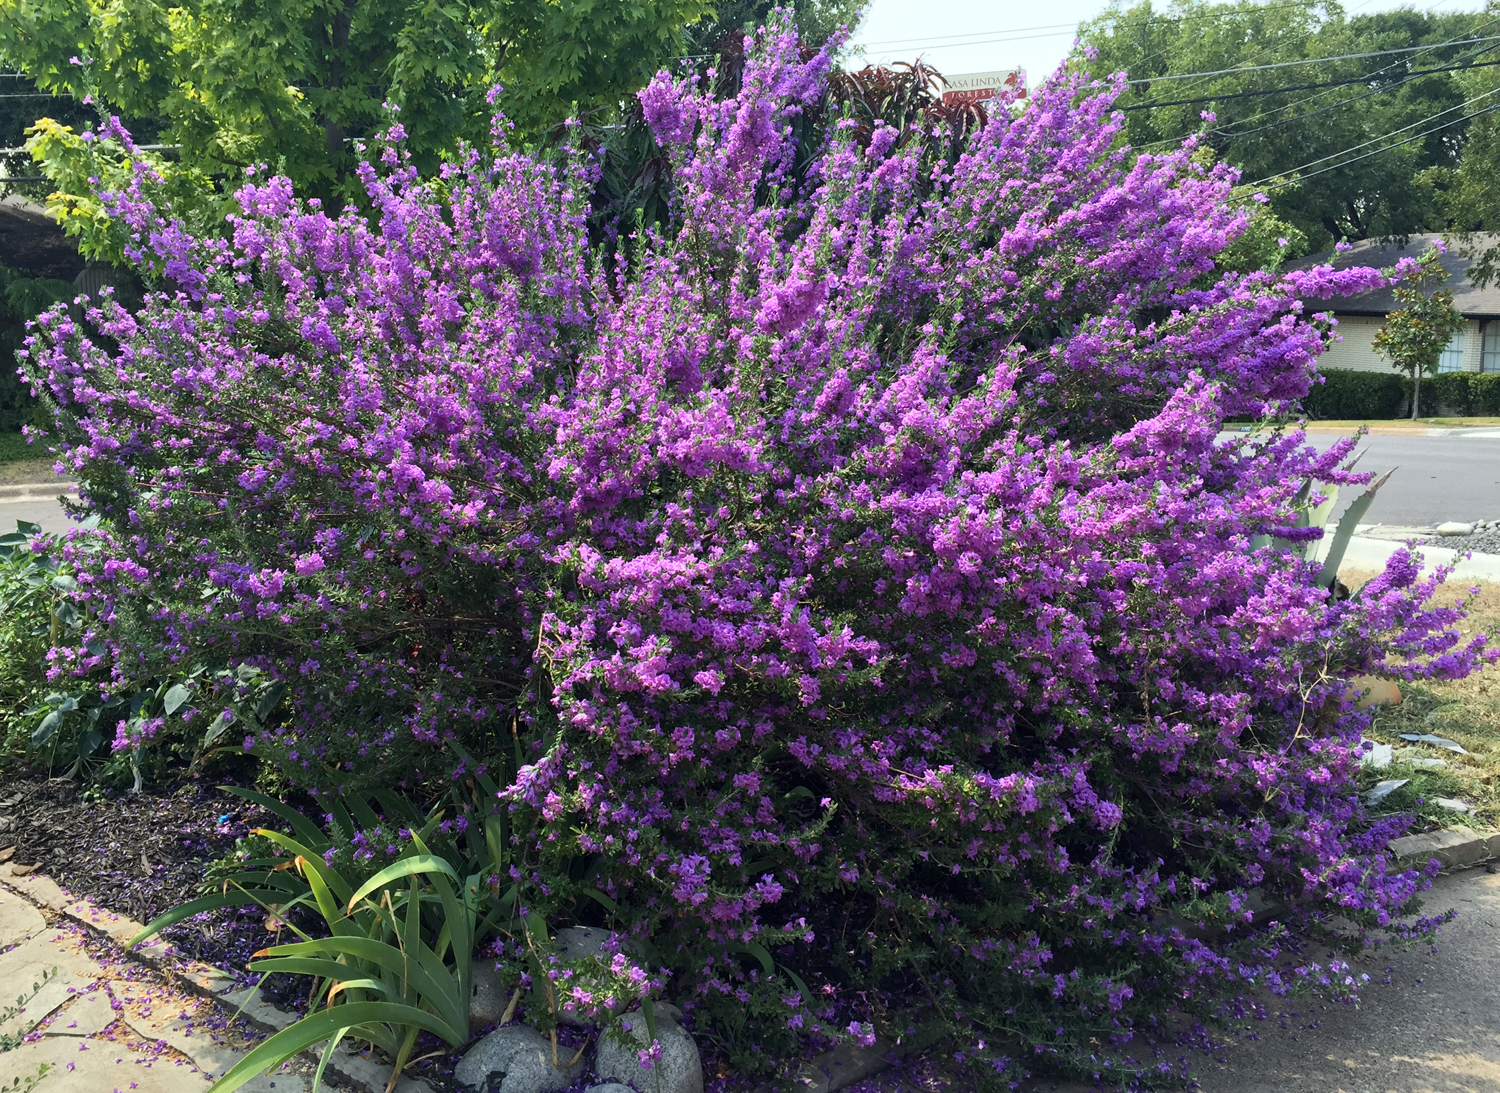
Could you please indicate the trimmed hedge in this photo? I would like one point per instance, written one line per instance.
(1347, 395)
(1458, 394)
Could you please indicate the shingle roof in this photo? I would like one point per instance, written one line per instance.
(1472, 301)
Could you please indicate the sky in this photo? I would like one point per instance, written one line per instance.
(959, 36)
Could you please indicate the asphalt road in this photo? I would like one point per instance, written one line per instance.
(1437, 478)
(47, 513)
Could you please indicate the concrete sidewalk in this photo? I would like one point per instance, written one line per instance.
(1428, 1021)
(1368, 554)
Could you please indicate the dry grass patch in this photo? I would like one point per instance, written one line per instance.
(1466, 711)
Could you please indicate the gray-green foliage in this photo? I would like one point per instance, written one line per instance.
(1315, 506)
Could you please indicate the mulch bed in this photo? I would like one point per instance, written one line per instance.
(139, 855)
(144, 854)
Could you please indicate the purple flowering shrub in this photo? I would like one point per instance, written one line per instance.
(851, 587)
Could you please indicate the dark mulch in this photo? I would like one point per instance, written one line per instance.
(139, 855)
(144, 854)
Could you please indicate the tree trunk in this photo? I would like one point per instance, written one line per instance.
(1416, 389)
(333, 131)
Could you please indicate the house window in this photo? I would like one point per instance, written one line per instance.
(1452, 359)
(1490, 358)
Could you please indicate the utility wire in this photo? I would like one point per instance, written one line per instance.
(1310, 61)
(1392, 133)
(1234, 134)
(1367, 155)
(1301, 87)
(1193, 17)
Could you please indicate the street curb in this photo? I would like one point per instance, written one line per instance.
(1455, 847)
(36, 491)
(345, 1069)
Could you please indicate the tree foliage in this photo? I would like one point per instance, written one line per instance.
(845, 585)
(239, 82)
(1270, 136)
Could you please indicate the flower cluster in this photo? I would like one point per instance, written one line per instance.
(854, 583)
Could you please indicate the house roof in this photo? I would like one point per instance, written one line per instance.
(1472, 301)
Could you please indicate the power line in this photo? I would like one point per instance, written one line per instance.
(1175, 19)
(1233, 134)
(1310, 61)
(1392, 133)
(1376, 152)
(1302, 87)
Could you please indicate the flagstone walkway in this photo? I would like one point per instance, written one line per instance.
(92, 1020)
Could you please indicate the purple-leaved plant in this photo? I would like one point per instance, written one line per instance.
(851, 587)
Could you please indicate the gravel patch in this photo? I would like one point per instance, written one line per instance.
(1485, 539)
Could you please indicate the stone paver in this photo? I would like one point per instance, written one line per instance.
(132, 1025)
(19, 920)
(55, 963)
(88, 1014)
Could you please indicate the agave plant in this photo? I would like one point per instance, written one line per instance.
(1311, 515)
(397, 956)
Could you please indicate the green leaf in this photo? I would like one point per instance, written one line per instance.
(759, 951)
(807, 995)
(317, 1027)
(235, 897)
(305, 828)
(1347, 524)
(406, 867)
(218, 728)
(43, 732)
(174, 699)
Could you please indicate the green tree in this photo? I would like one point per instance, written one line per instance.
(1269, 136)
(1413, 336)
(290, 82)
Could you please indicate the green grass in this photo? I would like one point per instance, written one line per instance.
(14, 449)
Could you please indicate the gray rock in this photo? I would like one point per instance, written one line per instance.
(1375, 755)
(487, 996)
(679, 1070)
(514, 1059)
(1452, 804)
(574, 942)
(1384, 789)
(609, 1087)
(1423, 763)
(1455, 527)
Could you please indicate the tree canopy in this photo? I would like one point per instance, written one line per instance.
(1278, 118)
(291, 83)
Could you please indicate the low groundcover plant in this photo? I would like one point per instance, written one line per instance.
(844, 579)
